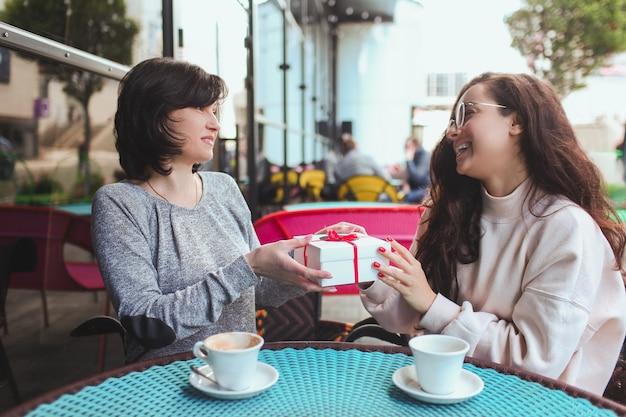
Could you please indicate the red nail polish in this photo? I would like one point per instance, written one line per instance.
(393, 250)
(381, 249)
(380, 275)
(389, 239)
(376, 265)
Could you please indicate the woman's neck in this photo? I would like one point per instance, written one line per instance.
(500, 186)
(182, 189)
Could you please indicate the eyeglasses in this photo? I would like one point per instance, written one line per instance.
(459, 114)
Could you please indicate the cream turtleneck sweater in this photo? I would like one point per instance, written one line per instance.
(543, 295)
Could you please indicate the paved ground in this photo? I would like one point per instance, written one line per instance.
(44, 359)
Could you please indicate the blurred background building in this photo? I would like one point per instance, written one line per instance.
(301, 73)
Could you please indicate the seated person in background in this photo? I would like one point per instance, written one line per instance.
(417, 170)
(328, 165)
(329, 190)
(176, 247)
(355, 163)
(518, 251)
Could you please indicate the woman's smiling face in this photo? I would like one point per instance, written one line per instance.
(200, 128)
(486, 145)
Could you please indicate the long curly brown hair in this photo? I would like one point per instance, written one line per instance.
(555, 163)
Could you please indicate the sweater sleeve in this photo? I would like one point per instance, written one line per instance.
(269, 292)
(550, 321)
(272, 293)
(389, 309)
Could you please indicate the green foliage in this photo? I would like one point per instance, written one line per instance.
(99, 27)
(95, 26)
(7, 165)
(617, 194)
(47, 190)
(44, 191)
(565, 41)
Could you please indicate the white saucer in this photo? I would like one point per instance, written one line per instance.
(470, 385)
(266, 376)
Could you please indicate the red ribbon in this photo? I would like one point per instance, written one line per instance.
(335, 237)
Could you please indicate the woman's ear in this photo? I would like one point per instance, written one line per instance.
(516, 127)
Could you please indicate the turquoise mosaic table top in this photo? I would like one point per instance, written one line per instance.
(313, 382)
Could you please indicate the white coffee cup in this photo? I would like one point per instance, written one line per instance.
(438, 361)
(232, 356)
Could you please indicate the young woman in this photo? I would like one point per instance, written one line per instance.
(176, 247)
(518, 251)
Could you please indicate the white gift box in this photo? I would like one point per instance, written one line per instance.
(338, 258)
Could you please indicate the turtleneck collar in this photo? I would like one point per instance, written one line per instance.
(507, 208)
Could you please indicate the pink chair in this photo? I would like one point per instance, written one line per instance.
(397, 221)
(52, 230)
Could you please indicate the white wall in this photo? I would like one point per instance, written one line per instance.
(603, 98)
(22, 89)
(380, 77)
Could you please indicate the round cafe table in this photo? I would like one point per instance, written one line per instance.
(315, 379)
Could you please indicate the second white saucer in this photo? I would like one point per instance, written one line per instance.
(266, 376)
(470, 385)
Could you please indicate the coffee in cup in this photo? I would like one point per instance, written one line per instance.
(232, 356)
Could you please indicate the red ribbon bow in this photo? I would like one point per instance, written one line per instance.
(334, 236)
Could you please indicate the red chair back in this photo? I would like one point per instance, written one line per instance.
(397, 221)
(51, 229)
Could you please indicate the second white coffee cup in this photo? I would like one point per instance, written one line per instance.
(232, 356)
(438, 362)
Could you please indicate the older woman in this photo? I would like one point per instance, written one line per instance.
(176, 247)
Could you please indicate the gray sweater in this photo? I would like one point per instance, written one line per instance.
(355, 163)
(184, 267)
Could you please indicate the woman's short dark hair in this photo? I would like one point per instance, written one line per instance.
(147, 95)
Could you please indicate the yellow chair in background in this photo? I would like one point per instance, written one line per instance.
(311, 182)
(367, 188)
(277, 179)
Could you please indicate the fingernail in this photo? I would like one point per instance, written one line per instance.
(381, 249)
(380, 275)
(389, 239)
(393, 250)
(376, 265)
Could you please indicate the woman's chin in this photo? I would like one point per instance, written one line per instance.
(207, 158)
(461, 169)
